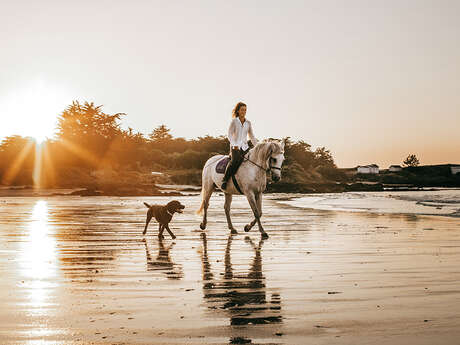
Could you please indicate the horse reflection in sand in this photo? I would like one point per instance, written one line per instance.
(266, 156)
(243, 298)
(163, 261)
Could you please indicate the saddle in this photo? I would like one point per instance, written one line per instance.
(222, 165)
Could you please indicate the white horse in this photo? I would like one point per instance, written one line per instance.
(266, 156)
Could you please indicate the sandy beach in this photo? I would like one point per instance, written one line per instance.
(77, 270)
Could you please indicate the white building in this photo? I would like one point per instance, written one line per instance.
(368, 169)
(455, 169)
(394, 168)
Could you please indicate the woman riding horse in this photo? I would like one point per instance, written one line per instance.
(251, 178)
(238, 133)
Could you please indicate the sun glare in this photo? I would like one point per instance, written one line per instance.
(32, 110)
(38, 258)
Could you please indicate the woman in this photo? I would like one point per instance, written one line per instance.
(238, 133)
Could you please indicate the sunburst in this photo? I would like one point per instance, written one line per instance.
(32, 109)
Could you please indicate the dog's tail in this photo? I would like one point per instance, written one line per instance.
(200, 210)
(147, 205)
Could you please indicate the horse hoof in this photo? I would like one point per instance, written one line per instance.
(264, 235)
(233, 232)
(247, 228)
(202, 226)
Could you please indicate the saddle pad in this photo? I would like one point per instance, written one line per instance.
(222, 164)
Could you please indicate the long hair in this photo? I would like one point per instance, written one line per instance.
(237, 109)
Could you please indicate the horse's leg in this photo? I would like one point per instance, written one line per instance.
(259, 207)
(207, 192)
(255, 272)
(228, 202)
(257, 214)
(258, 197)
(228, 259)
(206, 263)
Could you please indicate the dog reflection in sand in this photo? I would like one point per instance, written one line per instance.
(162, 262)
(163, 215)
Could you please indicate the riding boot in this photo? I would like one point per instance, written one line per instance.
(236, 159)
(228, 173)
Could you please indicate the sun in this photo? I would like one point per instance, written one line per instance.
(33, 110)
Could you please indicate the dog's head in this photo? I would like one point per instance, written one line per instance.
(175, 206)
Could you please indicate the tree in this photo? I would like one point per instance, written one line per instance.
(210, 144)
(128, 150)
(17, 158)
(323, 157)
(160, 134)
(299, 152)
(161, 139)
(87, 131)
(411, 161)
(85, 121)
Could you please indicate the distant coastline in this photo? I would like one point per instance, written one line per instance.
(177, 183)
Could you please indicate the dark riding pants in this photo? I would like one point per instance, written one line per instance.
(237, 156)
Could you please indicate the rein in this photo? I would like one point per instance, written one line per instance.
(266, 170)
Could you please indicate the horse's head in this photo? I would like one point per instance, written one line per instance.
(269, 156)
(275, 159)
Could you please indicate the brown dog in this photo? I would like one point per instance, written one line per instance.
(163, 215)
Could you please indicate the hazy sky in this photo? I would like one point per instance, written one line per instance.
(370, 80)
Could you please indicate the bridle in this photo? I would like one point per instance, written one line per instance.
(269, 169)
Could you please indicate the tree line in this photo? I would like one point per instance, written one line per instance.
(88, 139)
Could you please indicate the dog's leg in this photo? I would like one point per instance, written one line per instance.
(160, 230)
(147, 253)
(170, 232)
(149, 218)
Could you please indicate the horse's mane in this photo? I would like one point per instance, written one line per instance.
(260, 151)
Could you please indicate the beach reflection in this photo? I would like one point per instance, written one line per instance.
(162, 262)
(241, 297)
(38, 258)
(87, 246)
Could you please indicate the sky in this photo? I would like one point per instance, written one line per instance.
(372, 81)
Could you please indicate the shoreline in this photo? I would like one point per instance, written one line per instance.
(429, 203)
(173, 190)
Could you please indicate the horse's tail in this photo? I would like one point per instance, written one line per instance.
(200, 210)
(146, 205)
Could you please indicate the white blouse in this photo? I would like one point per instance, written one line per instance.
(238, 134)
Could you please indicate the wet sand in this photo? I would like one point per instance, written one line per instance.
(77, 270)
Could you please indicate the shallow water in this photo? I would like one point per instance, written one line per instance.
(442, 202)
(78, 271)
